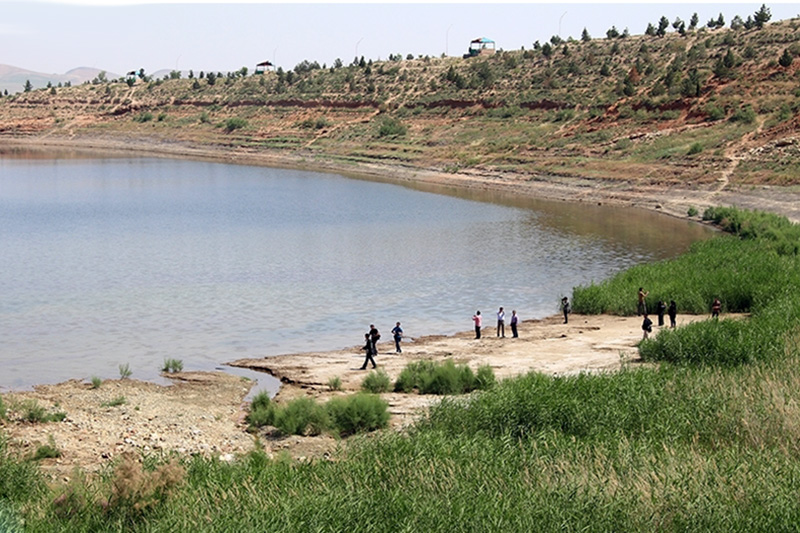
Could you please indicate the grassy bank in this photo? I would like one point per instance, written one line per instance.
(708, 440)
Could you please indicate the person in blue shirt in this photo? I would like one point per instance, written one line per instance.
(397, 331)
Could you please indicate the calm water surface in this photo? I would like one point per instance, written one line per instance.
(110, 261)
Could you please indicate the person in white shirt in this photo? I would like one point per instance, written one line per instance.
(501, 323)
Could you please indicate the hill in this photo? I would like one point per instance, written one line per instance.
(709, 110)
(12, 79)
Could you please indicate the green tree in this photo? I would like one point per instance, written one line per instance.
(762, 16)
(786, 58)
(737, 23)
(547, 50)
(663, 24)
(612, 33)
(585, 37)
(694, 21)
(676, 24)
(211, 78)
(28, 86)
(651, 30)
(720, 23)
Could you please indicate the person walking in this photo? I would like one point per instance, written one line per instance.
(369, 348)
(716, 307)
(477, 319)
(514, 320)
(565, 308)
(374, 336)
(397, 331)
(641, 309)
(501, 323)
(647, 326)
(672, 311)
(661, 307)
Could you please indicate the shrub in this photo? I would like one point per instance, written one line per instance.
(692, 212)
(116, 402)
(262, 411)
(144, 116)
(135, 490)
(35, 413)
(412, 376)
(47, 451)
(376, 382)
(96, 382)
(391, 127)
(696, 148)
(359, 412)
(300, 417)
(172, 365)
(235, 123)
(125, 371)
(335, 383)
(485, 380)
(744, 114)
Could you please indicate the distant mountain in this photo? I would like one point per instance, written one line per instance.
(12, 79)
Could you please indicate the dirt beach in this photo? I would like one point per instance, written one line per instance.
(204, 412)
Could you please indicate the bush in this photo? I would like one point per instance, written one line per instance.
(2, 409)
(172, 365)
(116, 402)
(376, 382)
(359, 412)
(235, 123)
(47, 451)
(335, 383)
(692, 212)
(391, 127)
(445, 378)
(125, 371)
(262, 411)
(96, 382)
(744, 114)
(144, 116)
(300, 417)
(696, 148)
(35, 413)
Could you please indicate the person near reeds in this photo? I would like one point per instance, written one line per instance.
(672, 311)
(397, 331)
(647, 326)
(641, 309)
(476, 318)
(565, 308)
(369, 348)
(661, 307)
(716, 307)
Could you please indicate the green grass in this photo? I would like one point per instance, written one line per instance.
(96, 382)
(172, 365)
(115, 402)
(125, 371)
(429, 377)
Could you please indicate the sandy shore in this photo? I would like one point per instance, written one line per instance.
(204, 412)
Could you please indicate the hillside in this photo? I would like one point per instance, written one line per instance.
(708, 110)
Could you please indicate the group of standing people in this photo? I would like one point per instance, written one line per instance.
(671, 311)
(661, 308)
(371, 345)
(477, 319)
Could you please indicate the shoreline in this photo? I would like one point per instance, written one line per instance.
(670, 201)
(204, 412)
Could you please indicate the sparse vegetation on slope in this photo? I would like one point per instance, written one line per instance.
(663, 109)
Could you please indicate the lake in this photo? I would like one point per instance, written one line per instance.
(109, 261)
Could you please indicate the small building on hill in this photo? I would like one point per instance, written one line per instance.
(263, 67)
(480, 47)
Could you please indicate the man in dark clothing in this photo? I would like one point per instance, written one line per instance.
(672, 312)
(369, 348)
(398, 336)
(660, 308)
(374, 336)
(647, 326)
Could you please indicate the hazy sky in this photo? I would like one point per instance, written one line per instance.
(119, 36)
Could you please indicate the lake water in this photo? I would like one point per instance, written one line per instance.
(125, 260)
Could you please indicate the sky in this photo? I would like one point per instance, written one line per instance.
(118, 36)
